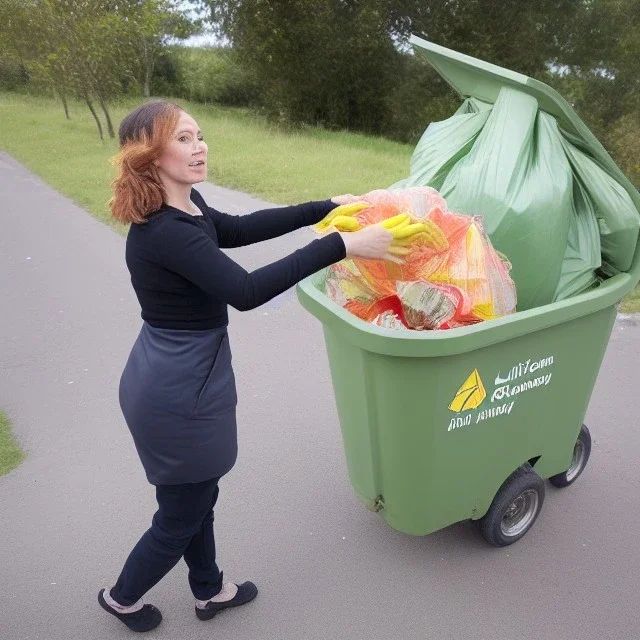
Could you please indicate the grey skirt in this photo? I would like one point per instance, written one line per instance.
(178, 396)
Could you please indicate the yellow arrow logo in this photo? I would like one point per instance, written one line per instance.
(470, 395)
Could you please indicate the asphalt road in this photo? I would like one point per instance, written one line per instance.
(287, 518)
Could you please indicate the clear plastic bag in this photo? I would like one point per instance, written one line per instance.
(455, 281)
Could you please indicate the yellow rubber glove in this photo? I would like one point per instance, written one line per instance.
(343, 210)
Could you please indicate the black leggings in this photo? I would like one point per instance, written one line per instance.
(182, 527)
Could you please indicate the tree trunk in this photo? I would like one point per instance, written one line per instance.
(148, 70)
(95, 115)
(66, 108)
(57, 93)
(103, 104)
(147, 82)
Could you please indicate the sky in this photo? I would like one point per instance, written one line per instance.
(203, 40)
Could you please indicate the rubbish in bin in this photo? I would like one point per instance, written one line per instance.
(451, 275)
(428, 306)
(554, 210)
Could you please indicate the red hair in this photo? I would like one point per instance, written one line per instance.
(137, 189)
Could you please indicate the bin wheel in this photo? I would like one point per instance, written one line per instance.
(581, 453)
(514, 508)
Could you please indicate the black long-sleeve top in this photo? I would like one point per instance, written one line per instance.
(184, 281)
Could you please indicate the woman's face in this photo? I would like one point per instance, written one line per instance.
(184, 158)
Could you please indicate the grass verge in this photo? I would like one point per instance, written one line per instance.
(631, 304)
(11, 455)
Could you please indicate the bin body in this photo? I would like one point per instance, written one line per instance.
(426, 466)
(424, 452)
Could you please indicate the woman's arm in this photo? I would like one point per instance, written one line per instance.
(184, 248)
(239, 231)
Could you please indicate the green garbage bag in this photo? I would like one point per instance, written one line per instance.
(554, 211)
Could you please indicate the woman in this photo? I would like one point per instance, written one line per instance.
(177, 391)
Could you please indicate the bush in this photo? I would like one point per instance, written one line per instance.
(622, 142)
(205, 75)
(13, 75)
(165, 81)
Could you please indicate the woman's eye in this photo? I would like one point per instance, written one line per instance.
(182, 138)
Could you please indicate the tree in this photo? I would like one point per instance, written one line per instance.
(89, 48)
(153, 24)
(68, 46)
(320, 60)
(524, 37)
(29, 34)
(338, 61)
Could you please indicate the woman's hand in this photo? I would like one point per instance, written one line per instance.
(372, 243)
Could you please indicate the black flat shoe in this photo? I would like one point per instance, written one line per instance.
(145, 619)
(247, 591)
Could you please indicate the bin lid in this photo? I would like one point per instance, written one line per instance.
(475, 78)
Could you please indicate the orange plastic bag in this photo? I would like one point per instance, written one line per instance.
(439, 286)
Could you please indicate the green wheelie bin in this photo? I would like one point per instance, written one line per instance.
(466, 424)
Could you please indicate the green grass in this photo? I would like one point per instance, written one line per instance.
(11, 455)
(287, 166)
(631, 304)
(245, 152)
(280, 164)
